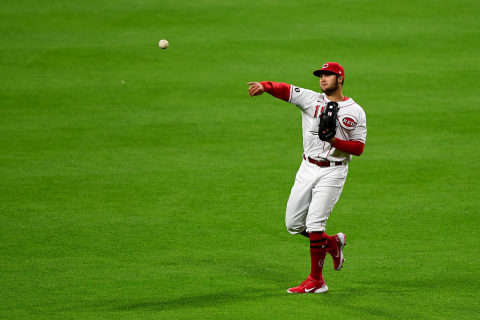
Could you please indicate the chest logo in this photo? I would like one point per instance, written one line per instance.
(348, 122)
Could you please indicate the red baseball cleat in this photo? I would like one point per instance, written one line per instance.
(310, 286)
(337, 251)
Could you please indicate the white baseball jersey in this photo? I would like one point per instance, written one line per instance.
(351, 124)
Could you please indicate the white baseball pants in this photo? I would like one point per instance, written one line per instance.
(315, 191)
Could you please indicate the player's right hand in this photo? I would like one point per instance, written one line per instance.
(255, 88)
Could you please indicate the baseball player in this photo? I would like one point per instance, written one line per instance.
(334, 128)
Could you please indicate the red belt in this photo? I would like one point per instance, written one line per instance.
(323, 163)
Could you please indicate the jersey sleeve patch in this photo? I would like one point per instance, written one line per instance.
(301, 97)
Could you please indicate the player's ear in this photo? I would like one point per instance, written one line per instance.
(340, 80)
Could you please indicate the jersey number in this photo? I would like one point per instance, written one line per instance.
(316, 111)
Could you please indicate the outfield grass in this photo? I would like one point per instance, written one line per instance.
(140, 183)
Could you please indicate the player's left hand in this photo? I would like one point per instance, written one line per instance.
(324, 133)
(328, 122)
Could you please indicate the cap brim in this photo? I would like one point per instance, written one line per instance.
(318, 73)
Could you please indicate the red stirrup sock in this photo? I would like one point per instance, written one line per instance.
(318, 250)
(331, 243)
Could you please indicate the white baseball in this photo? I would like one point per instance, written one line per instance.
(163, 44)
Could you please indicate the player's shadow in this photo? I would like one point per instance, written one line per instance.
(206, 300)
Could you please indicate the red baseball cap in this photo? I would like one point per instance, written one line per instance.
(333, 67)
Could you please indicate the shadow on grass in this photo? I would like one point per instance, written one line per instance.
(198, 301)
(339, 301)
(350, 301)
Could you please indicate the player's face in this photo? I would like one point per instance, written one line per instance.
(328, 82)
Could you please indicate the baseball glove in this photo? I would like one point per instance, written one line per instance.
(328, 121)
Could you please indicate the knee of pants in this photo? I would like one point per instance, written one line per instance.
(294, 227)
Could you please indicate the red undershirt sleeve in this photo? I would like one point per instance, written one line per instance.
(352, 147)
(279, 90)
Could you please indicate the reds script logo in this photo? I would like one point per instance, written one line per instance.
(348, 122)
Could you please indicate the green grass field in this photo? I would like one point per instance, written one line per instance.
(139, 183)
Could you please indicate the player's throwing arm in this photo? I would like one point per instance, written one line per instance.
(255, 89)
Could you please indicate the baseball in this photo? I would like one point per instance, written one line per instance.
(163, 44)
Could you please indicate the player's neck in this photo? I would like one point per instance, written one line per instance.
(335, 96)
